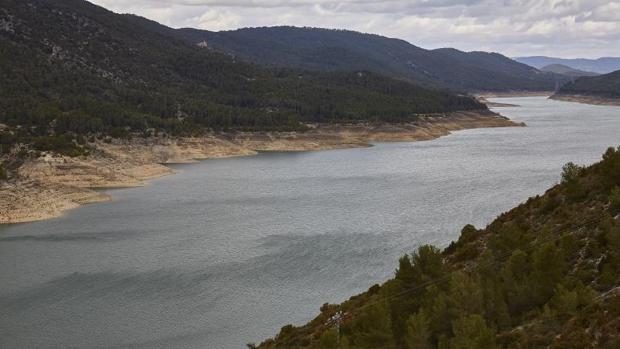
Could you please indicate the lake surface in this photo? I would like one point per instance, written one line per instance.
(228, 251)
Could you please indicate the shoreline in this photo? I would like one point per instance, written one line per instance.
(484, 100)
(50, 185)
(484, 97)
(585, 99)
(515, 94)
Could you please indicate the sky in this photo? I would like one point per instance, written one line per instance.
(560, 28)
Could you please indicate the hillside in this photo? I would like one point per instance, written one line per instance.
(566, 70)
(324, 49)
(544, 275)
(603, 86)
(602, 65)
(69, 67)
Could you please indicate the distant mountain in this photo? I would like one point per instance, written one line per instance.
(325, 49)
(601, 65)
(68, 66)
(565, 70)
(604, 86)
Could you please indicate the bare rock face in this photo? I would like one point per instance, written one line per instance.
(25, 201)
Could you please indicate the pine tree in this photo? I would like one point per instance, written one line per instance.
(466, 294)
(471, 332)
(614, 200)
(516, 282)
(427, 264)
(549, 267)
(329, 340)
(405, 272)
(372, 329)
(417, 332)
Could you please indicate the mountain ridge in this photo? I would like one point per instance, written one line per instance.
(605, 86)
(74, 67)
(332, 49)
(603, 65)
(566, 70)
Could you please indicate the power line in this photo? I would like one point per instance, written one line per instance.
(553, 236)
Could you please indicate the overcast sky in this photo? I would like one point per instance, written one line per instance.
(564, 28)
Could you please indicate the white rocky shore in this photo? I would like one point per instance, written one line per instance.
(47, 186)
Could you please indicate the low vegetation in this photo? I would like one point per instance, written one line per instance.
(543, 275)
(3, 173)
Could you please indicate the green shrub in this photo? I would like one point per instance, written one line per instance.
(570, 172)
(468, 233)
(63, 144)
(570, 179)
(7, 140)
(611, 167)
(472, 332)
(3, 173)
(614, 200)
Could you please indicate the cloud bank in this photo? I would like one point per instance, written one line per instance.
(564, 28)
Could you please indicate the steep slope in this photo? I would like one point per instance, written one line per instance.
(602, 89)
(566, 70)
(324, 49)
(602, 65)
(543, 275)
(71, 66)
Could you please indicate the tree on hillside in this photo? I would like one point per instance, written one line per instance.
(373, 328)
(549, 268)
(417, 332)
(614, 200)
(471, 332)
(329, 340)
(570, 172)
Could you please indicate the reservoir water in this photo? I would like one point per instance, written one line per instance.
(227, 251)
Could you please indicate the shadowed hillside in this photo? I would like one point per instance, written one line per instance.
(566, 70)
(324, 49)
(605, 86)
(602, 65)
(69, 67)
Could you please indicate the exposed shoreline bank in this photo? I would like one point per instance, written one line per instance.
(484, 97)
(594, 100)
(48, 186)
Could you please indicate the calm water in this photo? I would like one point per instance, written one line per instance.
(227, 251)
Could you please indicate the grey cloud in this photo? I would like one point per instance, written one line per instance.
(514, 27)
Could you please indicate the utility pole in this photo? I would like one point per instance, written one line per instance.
(337, 319)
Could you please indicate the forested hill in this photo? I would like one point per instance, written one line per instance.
(602, 65)
(325, 49)
(566, 70)
(543, 275)
(605, 86)
(68, 66)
